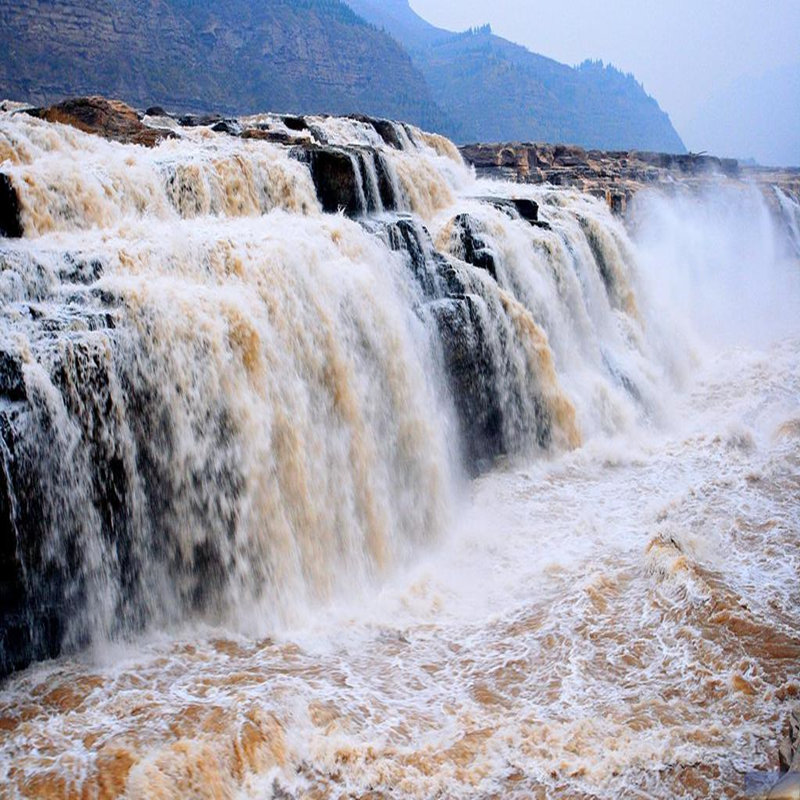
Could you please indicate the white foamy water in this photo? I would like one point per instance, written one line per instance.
(324, 606)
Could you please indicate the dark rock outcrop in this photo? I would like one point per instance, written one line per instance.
(385, 128)
(518, 207)
(340, 176)
(15, 650)
(12, 385)
(527, 209)
(295, 123)
(472, 378)
(10, 211)
(485, 401)
(264, 135)
(120, 419)
(229, 126)
(471, 246)
(31, 615)
(199, 120)
(335, 178)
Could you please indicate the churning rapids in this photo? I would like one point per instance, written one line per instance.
(472, 491)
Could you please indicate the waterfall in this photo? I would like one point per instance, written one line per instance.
(790, 213)
(223, 400)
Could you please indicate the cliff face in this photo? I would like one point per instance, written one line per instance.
(312, 56)
(494, 90)
(232, 55)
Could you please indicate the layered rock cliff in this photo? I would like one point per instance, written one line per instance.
(230, 56)
(314, 56)
(617, 176)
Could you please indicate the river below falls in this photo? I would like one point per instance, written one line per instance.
(611, 622)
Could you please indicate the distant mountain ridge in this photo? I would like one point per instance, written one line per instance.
(375, 57)
(494, 90)
(234, 56)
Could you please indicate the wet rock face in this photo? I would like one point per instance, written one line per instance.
(474, 385)
(471, 242)
(527, 209)
(385, 128)
(33, 614)
(41, 595)
(12, 385)
(14, 637)
(485, 403)
(15, 640)
(112, 456)
(294, 123)
(229, 126)
(111, 119)
(335, 179)
(340, 176)
(10, 219)
(199, 120)
(259, 134)
(471, 245)
(514, 207)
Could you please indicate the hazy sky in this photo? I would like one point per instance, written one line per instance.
(693, 56)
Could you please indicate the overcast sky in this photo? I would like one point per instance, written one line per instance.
(715, 66)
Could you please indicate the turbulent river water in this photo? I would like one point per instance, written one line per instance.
(432, 501)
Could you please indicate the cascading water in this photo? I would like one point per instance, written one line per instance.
(229, 412)
(244, 402)
(790, 212)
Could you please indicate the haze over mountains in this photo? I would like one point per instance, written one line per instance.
(754, 116)
(495, 90)
(375, 57)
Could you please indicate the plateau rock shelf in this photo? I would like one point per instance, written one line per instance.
(617, 176)
(223, 400)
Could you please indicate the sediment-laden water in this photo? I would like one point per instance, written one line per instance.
(441, 498)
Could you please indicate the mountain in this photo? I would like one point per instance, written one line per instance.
(375, 57)
(495, 90)
(236, 56)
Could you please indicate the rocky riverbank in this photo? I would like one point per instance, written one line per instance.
(616, 176)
